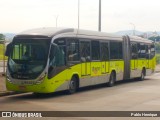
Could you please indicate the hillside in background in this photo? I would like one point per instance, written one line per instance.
(129, 32)
(146, 34)
(9, 36)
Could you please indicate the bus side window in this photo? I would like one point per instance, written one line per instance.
(85, 51)
(72, 50)
(56, 56)
(141, 50)
(104, 52)
(147, 51)
(152, 50)
(95, 50)
(116, 50)
(56, 60)
(134, 52)
(61, 42)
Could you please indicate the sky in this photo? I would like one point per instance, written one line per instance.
(19, 15)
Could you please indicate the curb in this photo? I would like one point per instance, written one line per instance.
(7, 93)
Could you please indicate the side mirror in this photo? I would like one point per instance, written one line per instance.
(8, 49)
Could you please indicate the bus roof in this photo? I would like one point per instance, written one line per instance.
(62, 32)
(50, 32)
(139, 39)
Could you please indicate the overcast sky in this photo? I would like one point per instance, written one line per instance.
(20, 15)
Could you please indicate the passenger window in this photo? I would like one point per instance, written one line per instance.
(104, 52)
(73, 50)
(141, 50)
(116, 50)
(148, 52)
(85, 51)
(95, 50)
(152, 50)
(134, 52)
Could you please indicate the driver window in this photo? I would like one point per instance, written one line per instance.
(56, 56)
(56, 60)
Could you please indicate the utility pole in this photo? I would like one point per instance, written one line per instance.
(134, 28)
(78, 12)
(57, 20)
(99, 26)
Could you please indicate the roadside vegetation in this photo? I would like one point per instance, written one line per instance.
(2, 37)
(158, 58)
(158, 53)
(1, 46)
(157, 40)
(2, 52)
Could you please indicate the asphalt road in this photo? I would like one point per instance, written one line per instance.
(130, 95)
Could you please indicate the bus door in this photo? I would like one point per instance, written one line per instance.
(134, 61)
(85, 58)
(104, 58)
(73, 56)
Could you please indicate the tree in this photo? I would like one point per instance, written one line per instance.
(157, 38)
(157, 47)
(2, 37)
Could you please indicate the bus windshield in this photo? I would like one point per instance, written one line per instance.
(28, 58)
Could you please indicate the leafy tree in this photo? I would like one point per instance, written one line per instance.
(157, 45)
(157, 38)
(2, 37)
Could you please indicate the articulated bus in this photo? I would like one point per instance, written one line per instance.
(47, 60)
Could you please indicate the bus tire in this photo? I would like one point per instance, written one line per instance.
(73, 85)
(38, 94)
(112, 80)
(142, 75)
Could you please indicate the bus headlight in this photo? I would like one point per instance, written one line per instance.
(41, 78)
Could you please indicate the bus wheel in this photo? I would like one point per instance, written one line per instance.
(72, 85)
(142, 75)
(38, 94)
(112, 80)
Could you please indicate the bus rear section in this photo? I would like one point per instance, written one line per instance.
(139, 56)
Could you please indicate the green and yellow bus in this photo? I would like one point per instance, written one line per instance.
(47, 60)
